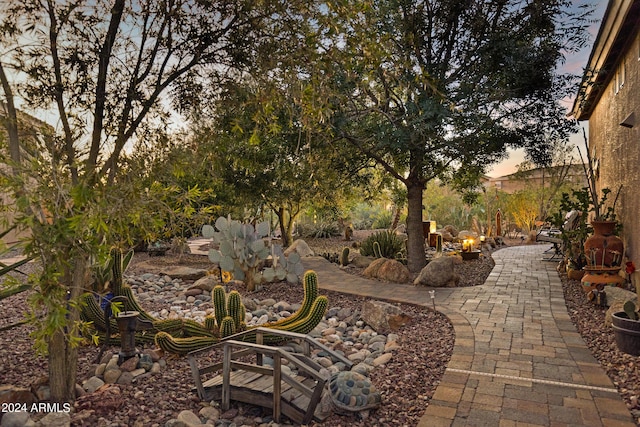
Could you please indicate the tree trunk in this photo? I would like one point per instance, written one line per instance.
(416, 259)
(63, 362)
(396, 217)
(63, 352)
(249, 279)
(285, 230)
(11, 121)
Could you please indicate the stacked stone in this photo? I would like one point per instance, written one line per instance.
(130, 371)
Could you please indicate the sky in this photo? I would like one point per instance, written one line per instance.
(575, 63)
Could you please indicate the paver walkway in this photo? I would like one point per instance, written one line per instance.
(517, 360)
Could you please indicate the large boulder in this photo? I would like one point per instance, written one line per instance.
(440, 272)
(452, 230)
(361, 261)
(388, 270)
(301, 247)
(372, 269)
(446, 235)
(383, 317)
(206, 283)
(394, 271)
(184, 273)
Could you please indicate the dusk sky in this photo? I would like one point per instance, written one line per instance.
(576, 64)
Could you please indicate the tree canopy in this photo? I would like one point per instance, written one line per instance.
(441, 89)
(110, 70)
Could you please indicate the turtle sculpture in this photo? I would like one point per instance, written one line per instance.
(180, 336)
(353, 392)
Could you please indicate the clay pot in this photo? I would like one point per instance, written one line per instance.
(574, 274)
(603, 249)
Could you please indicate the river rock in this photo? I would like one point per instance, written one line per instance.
(92, 384)
(55, 419)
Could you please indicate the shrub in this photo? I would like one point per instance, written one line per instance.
(390, 244)
(382, 220)
(321, 230)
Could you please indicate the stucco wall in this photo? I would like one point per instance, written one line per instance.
(617, 148)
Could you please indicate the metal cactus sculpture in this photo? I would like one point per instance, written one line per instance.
(181, 336)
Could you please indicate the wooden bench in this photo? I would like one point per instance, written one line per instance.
(243, 376)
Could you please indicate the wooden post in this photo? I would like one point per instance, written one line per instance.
(277, 372)
(226, 377)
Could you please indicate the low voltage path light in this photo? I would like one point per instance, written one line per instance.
(432, 295)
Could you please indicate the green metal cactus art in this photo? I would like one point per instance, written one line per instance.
(180, 336)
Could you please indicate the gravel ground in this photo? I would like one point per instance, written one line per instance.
(407, 383)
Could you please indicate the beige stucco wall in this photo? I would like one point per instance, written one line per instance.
(617, 149)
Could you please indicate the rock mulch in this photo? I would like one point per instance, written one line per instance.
(404, 365)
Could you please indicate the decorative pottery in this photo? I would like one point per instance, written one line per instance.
(627, 333)
(574, 274)
(604, 249)
(599, 277)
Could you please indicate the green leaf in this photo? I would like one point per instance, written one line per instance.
(268, 274)
(226, 248)
(227, 264)
(263, 229)
(214, 255)
(258, 246)
(222, 224)
(293, 258)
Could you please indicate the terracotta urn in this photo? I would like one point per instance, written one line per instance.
(603, 248)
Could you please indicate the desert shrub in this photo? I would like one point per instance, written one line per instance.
(390, 244)
(382, 219)
(320, 230)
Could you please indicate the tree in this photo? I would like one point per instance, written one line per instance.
(555, 177)
(440, 89)
(261, 148)
(522, 206)
(106, 68)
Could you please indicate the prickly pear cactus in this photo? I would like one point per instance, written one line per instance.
(243, 250)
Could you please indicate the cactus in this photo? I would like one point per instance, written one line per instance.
(630, 309)
(191, 328)
(315, 316)
(91, 312)
(182, 346)
(227, 327)
(389, 244)
(302, 325)
(310, 295)
(219, 303)
(376, 249)
(181, 336)
(243, 250)
(210, 325)
(235, 309)
(344, 257)
(439, 243)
